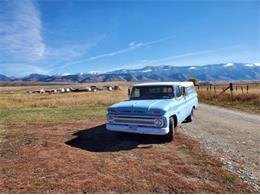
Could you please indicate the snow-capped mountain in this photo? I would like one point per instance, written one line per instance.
(212, 72)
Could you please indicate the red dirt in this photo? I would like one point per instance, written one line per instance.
(82, 157)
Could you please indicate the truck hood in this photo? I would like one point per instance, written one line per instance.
(141, 106)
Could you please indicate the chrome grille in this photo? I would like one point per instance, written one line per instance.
(132, 111)
(134, 120)
(125, 111)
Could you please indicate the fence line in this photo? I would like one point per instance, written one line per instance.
(230, 87)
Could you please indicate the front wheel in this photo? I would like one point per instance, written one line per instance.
(171, 134)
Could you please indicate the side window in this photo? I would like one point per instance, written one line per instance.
(191, 90)
(177, 91)
(136, 93)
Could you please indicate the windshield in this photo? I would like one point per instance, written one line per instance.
(152, 92)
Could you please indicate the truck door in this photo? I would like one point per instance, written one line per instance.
(181, 104)
(190, 98)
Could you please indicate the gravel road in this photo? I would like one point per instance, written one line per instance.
(231, 135)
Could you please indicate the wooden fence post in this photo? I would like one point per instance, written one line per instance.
(231, 90)
(247, 87)
(215, 90)
(242, 89)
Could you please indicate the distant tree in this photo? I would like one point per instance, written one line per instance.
(194, 80)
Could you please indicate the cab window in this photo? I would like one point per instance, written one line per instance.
(178, 91)
(152, 92)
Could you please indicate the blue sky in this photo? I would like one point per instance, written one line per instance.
(50, 37)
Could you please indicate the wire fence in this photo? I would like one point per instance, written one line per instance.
(216, 90)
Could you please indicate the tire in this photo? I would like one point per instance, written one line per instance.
(171, 134)
(190, 117)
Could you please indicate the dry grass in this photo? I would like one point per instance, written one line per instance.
(241, 99)
(22, 108)
(21, 99)
(239, 88)
(58, 100)
(22, 87)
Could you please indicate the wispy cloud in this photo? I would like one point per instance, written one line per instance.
(173, 57)
(22, 43)
(184, 58)
(71, 51)
(131, 47)
(168, 59)
(21, 31)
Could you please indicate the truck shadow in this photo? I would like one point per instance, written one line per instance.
(98, 139)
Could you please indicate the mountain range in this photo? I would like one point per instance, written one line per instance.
(212, 72)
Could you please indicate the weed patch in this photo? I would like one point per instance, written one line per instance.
(2, 133)
(231, 178)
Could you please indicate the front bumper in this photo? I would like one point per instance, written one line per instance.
(138, 129)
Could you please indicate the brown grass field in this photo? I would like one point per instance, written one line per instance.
(57, 143)
(241, 98)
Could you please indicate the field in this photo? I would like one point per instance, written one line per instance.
(243, 99)
(57, 143)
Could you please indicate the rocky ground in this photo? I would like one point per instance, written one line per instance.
(232, 136)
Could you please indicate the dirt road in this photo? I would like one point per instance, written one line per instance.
(231, 135)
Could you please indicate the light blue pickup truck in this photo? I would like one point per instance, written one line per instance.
(154, 108)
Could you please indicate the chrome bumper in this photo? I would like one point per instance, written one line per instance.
(138, 129)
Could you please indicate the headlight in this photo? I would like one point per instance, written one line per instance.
(110, 118)
(158, 122)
